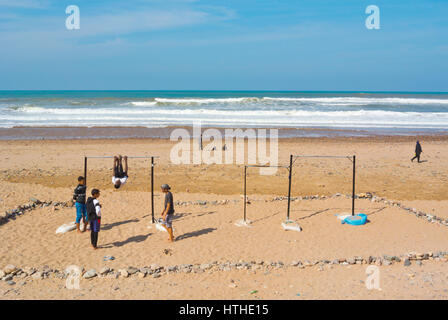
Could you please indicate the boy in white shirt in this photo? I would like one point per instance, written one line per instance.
(120, 176)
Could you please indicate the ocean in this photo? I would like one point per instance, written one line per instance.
(399, 112)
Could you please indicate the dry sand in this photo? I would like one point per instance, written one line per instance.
(47, 170)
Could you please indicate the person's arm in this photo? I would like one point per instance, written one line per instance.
(167, 209)
(126, 164)
(97, 208)
(115, 165)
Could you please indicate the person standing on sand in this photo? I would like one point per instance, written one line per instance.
(80, 197)
(418, 151)
(94, 215)
(168, 212)
(120, 176)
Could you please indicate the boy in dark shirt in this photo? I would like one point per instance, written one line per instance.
(168, 212)
(79, 196)
(94, 213)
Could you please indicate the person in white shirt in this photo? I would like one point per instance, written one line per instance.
(120, 176)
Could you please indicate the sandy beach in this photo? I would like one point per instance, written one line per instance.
(226, 261)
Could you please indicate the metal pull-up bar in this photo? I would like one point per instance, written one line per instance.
(129, 157)
(351, 158)
(110, 157)
(330, 157)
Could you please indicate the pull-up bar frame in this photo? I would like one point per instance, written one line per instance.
(129, 157)
(291, 162)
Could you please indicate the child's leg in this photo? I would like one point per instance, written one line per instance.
(95, 239)
(78, 215)
(92, 237)
(84, 218)
(170, 232)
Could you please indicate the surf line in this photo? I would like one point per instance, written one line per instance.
(191, 310)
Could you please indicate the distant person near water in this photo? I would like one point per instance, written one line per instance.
(418, 151)
(168, 212)
(120, 176)
(79, 196)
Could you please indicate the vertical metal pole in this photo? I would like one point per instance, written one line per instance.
(245, 169)
(152, 189)
(353, 191)
(85, 172)
(289, 188)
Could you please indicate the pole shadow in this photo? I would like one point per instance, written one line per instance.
(119, 223)
(136, 239)
(195, 233)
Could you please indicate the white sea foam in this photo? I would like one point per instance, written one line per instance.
(143, 103)
(206, 100)
(403, 112)
(364, 101)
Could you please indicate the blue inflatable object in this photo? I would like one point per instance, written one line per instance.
(356, 220)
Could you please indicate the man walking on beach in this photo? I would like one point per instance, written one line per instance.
(418, 151)
(80, 197)
(120, 176)
(168, 212)
(94, 215)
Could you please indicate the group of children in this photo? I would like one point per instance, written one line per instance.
(89, 211)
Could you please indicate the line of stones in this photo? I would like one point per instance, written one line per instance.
(32, 205)
(11, 272)
(35, 204)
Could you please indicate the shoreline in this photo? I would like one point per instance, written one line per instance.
(24, 133)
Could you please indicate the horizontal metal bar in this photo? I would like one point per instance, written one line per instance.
(334, 157)
(260, 166)
(111, 157)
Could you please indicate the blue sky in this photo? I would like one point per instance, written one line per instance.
(224, 45)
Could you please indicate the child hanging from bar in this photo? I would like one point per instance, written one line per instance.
(120, 176)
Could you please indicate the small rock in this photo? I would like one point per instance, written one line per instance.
(11, 283)
(123, 273)
(89, 274)
(407, 262)
(132, 270)
(104, 270)
(9, 269)
(156, 275)
(37, 275)
(8, 277)
(35, 201)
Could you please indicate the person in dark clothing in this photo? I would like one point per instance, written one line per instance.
(168, 212)
(418, 151)
(120, 176)
(79, 196)
(94, 214)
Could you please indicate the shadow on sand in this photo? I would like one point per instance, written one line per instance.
(195, 233)
(136, 239)
(116, 224)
